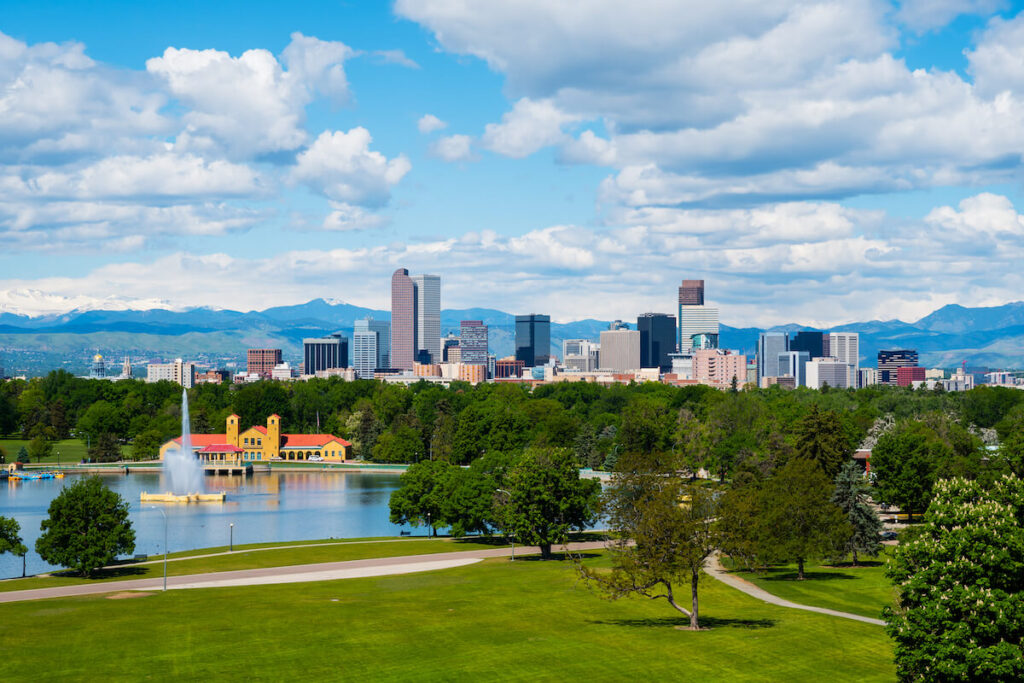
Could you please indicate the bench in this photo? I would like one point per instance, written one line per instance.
(140, 557)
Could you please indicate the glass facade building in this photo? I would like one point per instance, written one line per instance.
(533, 339)
(324, 353)
(657, 340)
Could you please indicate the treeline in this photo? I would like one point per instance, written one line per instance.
(722, 432)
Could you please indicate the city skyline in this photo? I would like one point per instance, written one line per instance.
(875, 153)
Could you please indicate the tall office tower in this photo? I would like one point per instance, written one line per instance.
(324, 353)
(657, 340)
(403, 320)
(769, 346)
(694, 316)
(822, 371)
(262, 361)
(371, 343)
(845, 347)
(449, 348)
(809, 341)
(428, 315)
(794, 364)
(620, 350)
(473, 342)
(889, 361)
(533, 339)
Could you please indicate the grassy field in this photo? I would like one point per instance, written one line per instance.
(69, 450)
(494, 620)
(255, 559)
(861, 590)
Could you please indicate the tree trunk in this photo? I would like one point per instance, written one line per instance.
(23, 565)
(854, 557)
(694, 624)
(799, 569)
(545, 551)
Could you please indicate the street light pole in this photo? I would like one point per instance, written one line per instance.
(161, 511)
(510, 536)
(231, 543)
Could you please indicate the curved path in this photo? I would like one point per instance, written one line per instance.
(323, 571)
(715, 569)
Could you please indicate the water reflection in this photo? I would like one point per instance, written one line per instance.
(279, 506)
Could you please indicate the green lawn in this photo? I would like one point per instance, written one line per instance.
(69, 450)
(494, 620)
(861, 590)
(242, 559)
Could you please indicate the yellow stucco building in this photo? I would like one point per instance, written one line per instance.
(262, 444)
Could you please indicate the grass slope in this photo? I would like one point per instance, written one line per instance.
(495, 620)
(861, 590)
(69, 450)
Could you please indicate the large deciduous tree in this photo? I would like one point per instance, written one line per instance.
(801, 520)
(10, 540)
(664, 532)
(548, 499)
(86, 528)
(851, 495)
(905, 462)
(960, 612)
(421, 498)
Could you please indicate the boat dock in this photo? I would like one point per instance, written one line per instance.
(229, 468)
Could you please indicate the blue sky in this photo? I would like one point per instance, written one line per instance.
(817, 162)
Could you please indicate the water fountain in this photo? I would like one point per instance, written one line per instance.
(182, 470)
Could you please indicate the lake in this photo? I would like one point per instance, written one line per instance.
(279, 506)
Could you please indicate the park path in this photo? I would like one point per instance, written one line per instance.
(714, 568)
(323, 571)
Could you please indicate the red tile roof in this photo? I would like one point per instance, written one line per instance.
(260, 429)
(221, 448)
(309, 440)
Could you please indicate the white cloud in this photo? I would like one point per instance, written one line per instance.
(997, 63)
(342, 167)
(345, 217)
(319, 64)
(396, 57)
(530, 126)
(428, 123)
(453, 148)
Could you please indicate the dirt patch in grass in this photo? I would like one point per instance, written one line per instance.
(124, 595)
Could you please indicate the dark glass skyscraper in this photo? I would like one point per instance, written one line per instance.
(533, 339)
(809, 341)
(657, 339)
(889, 362)
(325, 353)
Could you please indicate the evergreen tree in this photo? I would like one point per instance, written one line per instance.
(584, 446)
(23, 455)
(105, 448)
(821, 437)
(851, 495)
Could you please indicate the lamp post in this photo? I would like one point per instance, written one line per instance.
(231, 543)
(161, 511)
(511, 538)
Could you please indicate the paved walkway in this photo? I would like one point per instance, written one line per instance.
(324, 571)
(715, 569)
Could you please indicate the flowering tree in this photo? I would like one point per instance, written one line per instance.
(960, 615)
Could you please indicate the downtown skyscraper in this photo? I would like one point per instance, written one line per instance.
(415, 318)
(694, 317)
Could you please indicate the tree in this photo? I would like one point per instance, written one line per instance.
(851, 495)
(403, 444)
(585, 446)
(799, 516)
(905, 462)
(960, 611)
(105, 448)
(821, 437)
(87, 528)
(23, 455)
(741, 530)
(422, 494)
(146, 445)
(664, 532)
(547, 499)
(10, 540)
(39, 448)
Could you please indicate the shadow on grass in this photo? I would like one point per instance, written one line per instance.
(557, 557)
(808, 576)
(861, 564)
(684, 622)
(109, 573)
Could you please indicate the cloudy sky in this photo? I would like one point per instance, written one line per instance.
(815, 162)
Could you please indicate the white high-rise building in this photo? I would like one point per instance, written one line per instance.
(580, 354)
(180, 372)
(866, 377)
(845, 347)
(822, 371)
(371, 345)
(620, 350)
(696, 320)
(428, 315)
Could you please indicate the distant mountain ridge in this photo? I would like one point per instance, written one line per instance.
(985, 336)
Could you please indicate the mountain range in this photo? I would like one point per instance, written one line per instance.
(989, 337)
